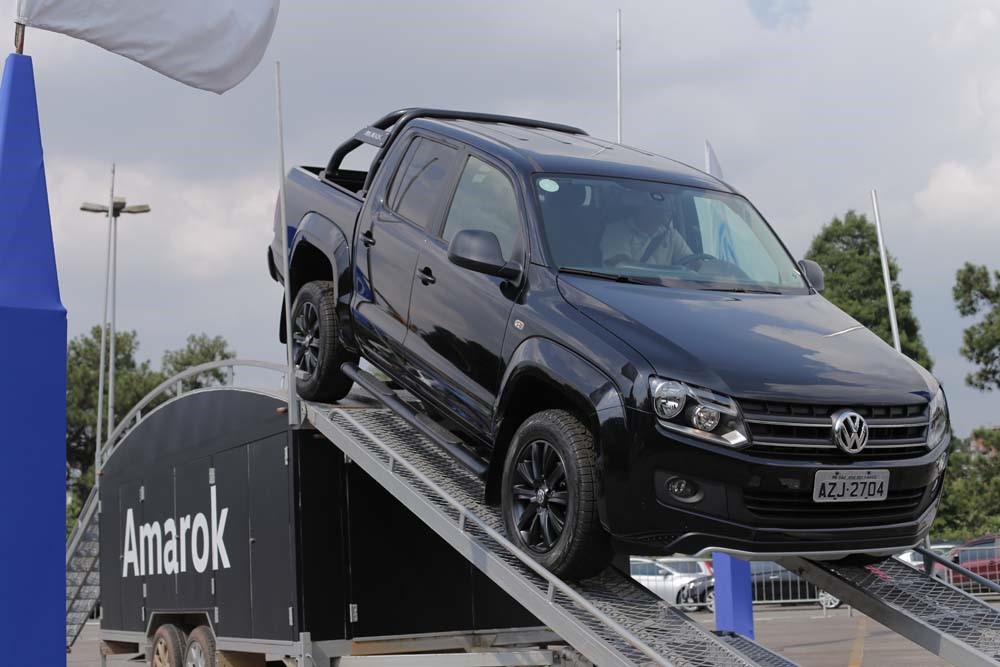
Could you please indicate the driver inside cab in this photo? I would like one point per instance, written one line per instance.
(645, 237)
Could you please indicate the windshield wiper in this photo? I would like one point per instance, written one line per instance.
(617, 277)
(738, 290)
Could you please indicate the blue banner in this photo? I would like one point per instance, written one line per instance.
(32, 390)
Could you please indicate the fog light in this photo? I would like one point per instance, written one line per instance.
(704, 419)
(682, 489)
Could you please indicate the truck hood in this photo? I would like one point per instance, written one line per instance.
(764, 346)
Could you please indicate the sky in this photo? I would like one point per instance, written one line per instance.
(808, 105)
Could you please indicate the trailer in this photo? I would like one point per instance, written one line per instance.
(354, 539)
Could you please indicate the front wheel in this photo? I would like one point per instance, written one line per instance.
(317, 351)
(549, 495)
(710, 600)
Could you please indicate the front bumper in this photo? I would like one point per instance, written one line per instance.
(752, 505)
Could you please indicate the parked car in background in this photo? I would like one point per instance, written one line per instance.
(770, 584)
(980, 556)
(667, 577)
(914, 559)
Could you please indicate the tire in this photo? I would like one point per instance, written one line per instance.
(318, 352)
(553, 515)
(827, 600)
(200, 651)
(710, 600)
(684, 605)
(168, 647)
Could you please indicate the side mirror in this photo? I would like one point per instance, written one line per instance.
(479, 250)
(814, 274)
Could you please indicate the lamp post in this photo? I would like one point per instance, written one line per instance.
(115, 207)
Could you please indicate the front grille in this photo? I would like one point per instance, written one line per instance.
(899, 505)
(804, 431)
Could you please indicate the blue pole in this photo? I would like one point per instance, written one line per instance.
(32, 390)
(733, 595)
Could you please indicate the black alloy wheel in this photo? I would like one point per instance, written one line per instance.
(306, 338)
(540, 494)
(317, 350)
(549, 494)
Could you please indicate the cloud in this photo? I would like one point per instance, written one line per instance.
(777, 13)
(959, 194)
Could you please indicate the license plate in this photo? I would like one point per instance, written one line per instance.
(846, 486)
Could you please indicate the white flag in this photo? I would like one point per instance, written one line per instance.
(208, 44)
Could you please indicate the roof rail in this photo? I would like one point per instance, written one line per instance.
(398, 119)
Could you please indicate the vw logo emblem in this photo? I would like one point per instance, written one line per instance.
(850, 431)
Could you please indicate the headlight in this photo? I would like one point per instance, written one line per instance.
(698, 412)
(937, 413)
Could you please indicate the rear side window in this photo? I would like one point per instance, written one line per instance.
(486, 200)
(421, 181)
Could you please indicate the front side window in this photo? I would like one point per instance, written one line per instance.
(421, 181)
(485, 199)
(662, 233)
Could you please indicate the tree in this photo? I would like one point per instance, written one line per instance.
(133, 381)
(976, 292)
(970, 501)
(200, 349)
(848, 252)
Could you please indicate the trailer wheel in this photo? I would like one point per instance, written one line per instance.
(549, 495)
(168, 647)
(200, 648)
(316, 347)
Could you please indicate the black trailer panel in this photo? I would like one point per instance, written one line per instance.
(213, 510)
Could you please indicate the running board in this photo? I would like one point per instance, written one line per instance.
(427, 426)
(932, 613)
(609, 618)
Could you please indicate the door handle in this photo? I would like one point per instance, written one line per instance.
(426, 276)
(368, 239)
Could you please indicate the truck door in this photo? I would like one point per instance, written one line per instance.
(389, 244)
(458, 317)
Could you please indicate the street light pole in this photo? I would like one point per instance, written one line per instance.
(116, 206)
(104, 331)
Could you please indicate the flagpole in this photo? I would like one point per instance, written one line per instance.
(618, 56)
(885, 275)
(293, 405)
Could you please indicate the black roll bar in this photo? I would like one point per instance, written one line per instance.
(398, 119)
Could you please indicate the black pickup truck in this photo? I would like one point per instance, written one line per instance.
(617, 343)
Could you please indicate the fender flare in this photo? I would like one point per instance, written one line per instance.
(323, 236)
(577, 381)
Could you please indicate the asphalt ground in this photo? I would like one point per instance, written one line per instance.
(801, 633)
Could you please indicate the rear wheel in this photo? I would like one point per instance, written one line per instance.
(549, 495)
(316, 347)
(200, 650)
(168, 647)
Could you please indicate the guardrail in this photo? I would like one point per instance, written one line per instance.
(175, 385)
(975, 570)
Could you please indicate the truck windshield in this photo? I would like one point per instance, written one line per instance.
(676, 235)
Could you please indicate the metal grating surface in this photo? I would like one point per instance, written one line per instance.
(663, 630)
(754, 651)
(83, 581)
(928, 611)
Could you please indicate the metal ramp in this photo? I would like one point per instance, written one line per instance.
(83, 583)
(609, 618)
(932, 613)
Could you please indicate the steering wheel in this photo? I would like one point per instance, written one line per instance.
(701, 256)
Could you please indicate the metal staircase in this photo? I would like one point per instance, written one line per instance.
(83, 584)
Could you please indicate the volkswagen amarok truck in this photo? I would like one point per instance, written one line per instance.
(628, 354)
